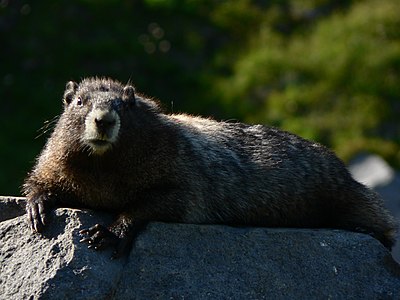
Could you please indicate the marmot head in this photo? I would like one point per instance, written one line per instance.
(94, 109)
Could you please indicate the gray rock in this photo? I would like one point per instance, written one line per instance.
(376, 173)
(182, 261)
(372, 170)
(55, 265)
(11, 207)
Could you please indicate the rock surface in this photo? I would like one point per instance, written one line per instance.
(11, 207)
(55, 265)
(181, 261)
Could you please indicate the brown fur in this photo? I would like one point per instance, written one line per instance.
(116, 151)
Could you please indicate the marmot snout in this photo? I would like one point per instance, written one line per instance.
(101, 129)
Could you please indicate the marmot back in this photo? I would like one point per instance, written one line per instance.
(113, 149)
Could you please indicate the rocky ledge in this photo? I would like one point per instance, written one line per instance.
(182, 261)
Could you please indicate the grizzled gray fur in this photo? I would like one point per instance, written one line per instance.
(114, 150)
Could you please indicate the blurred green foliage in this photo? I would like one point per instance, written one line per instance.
(327, 70)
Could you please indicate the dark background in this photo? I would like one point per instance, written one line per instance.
(327, 70)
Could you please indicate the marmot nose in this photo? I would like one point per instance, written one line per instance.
(105, 122)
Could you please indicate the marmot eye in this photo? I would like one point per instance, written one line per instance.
(79, 101)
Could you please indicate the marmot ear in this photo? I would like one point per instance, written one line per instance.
(70, 89)
(129, 94)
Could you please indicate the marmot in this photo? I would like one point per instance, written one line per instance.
(115, 150)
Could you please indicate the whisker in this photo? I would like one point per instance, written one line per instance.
(47, 126)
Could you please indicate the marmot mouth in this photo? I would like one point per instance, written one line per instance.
(98, 146)
(99, 143)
